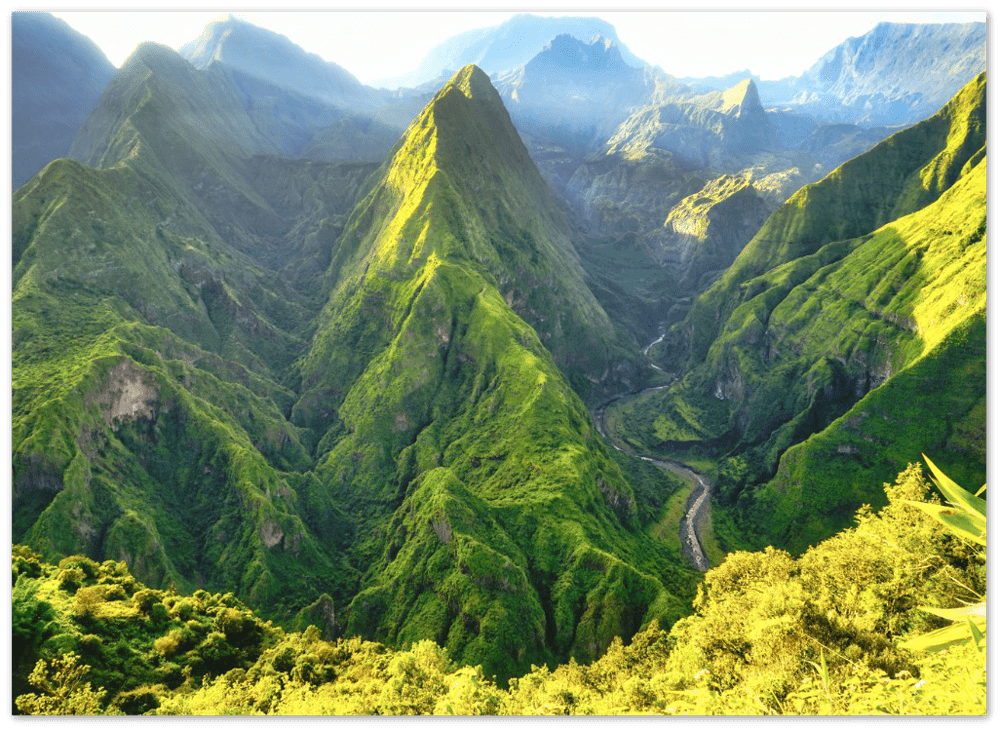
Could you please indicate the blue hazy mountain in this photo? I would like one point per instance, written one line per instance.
(896, 74)
(267, 55)
(57, 76)
(507, 46)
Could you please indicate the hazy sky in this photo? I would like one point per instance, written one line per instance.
(377, 45)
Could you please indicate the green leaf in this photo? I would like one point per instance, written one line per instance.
(957, 521)
(968, 612)
(938, 639)
(977, 635)
(955, 493)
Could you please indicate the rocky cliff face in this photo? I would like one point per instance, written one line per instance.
(893, 74)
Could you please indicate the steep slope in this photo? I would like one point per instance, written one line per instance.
(898, 73)
(863, 287)
(150, 352)
(202, 133)
(57, 76)
(490, 516)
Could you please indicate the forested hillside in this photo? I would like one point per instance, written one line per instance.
(770, 635)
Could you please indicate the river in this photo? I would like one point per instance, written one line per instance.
(698, 500)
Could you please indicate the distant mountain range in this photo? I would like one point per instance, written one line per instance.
(505, 47)
(896, 74)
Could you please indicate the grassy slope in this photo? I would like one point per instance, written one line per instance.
(848, 286)
(898, 176)
(486, 500)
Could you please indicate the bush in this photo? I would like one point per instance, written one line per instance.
(63, 689)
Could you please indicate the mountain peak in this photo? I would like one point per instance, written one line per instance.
(741, 98)
(742, 101)
(264, 54)
(474, 83)
(567, 52)
(151, 54)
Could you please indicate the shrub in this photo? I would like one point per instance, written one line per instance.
(63, 689)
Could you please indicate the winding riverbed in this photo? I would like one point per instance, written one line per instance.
(698, 500)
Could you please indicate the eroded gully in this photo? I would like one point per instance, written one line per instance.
(698, 499)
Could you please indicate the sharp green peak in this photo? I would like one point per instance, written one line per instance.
(474, 83)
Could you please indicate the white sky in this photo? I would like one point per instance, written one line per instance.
(376, 45)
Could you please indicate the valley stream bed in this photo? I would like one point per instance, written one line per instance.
(698, 503)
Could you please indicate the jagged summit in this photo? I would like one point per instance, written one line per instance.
(567, 54)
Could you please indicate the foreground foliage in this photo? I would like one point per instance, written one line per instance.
(770, 634)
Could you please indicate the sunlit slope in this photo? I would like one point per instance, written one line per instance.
(850, 286)
(491, 517)
(900, 175)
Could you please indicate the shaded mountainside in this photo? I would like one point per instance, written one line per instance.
(57, 76)
(264, 54)
(153, 334)
(407, 461)
(824, 333)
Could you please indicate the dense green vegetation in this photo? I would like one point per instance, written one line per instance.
(301, 437)
(821, 634)
(848, 333)
(352, 402)
(492, 519)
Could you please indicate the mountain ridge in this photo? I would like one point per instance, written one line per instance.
(761, 324)
(57, 77)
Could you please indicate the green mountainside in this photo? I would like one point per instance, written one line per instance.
(153, 331)
(373, 418)
(826, 330)
(491, 516)
(273, 361)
